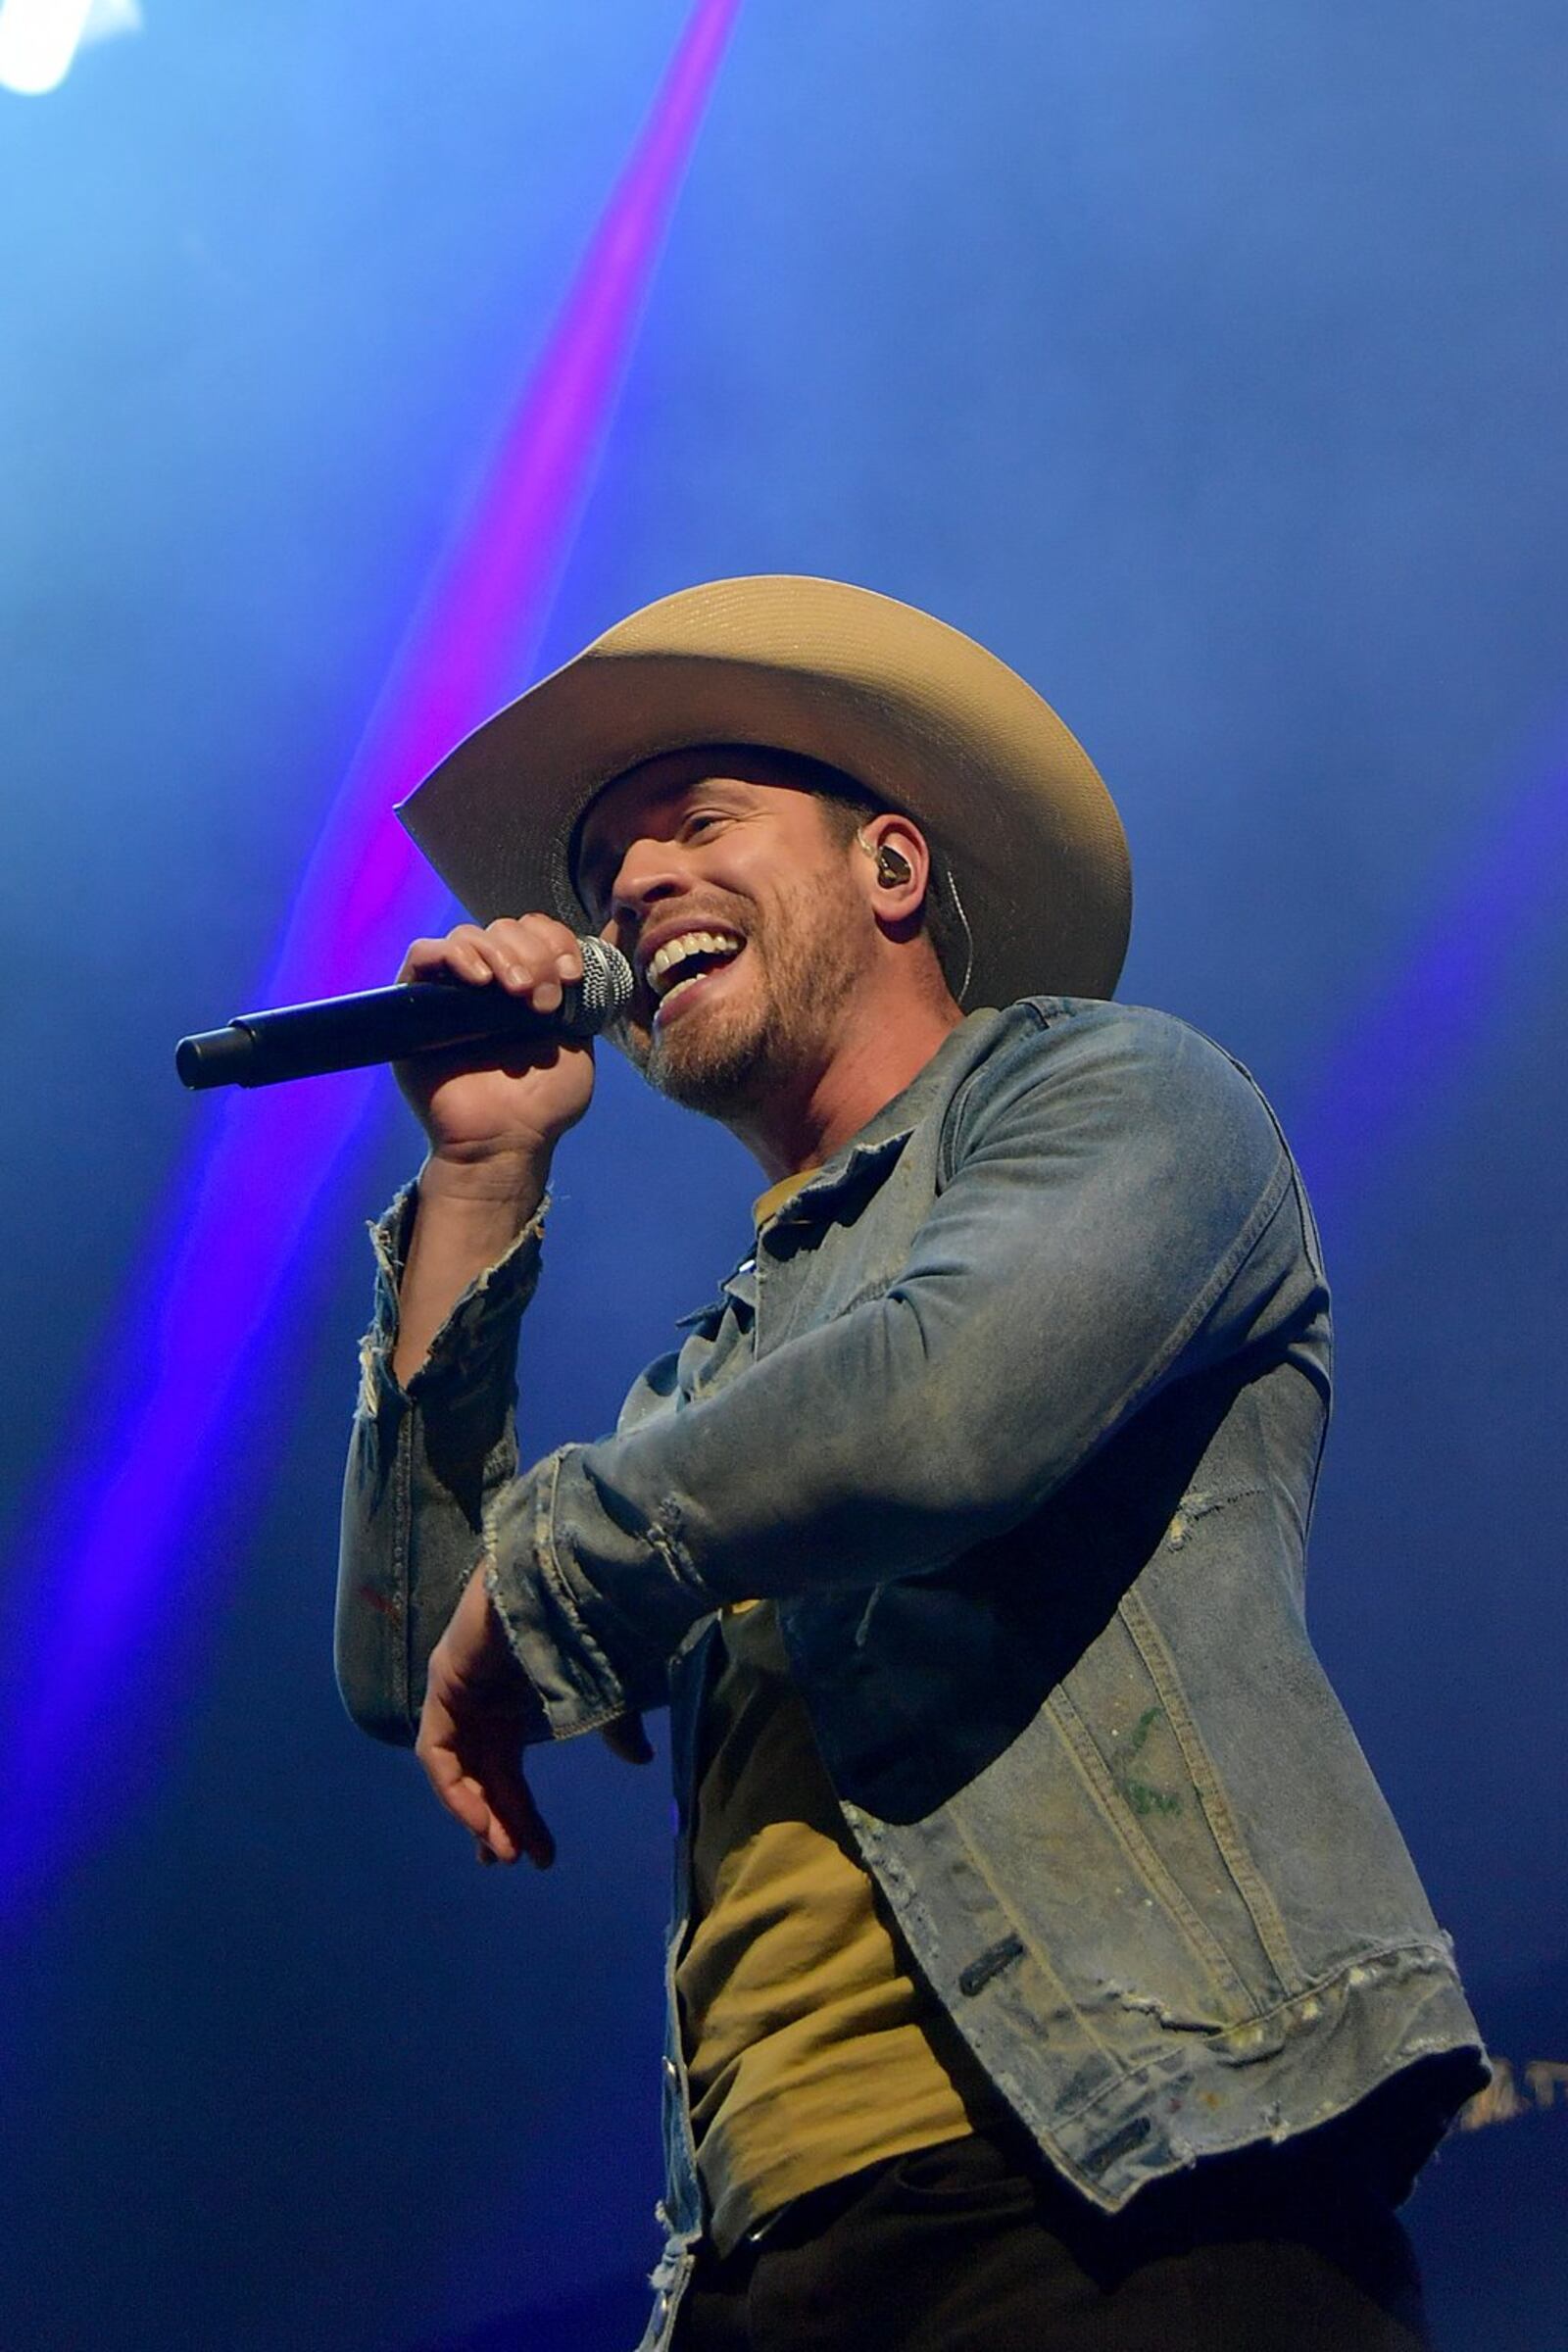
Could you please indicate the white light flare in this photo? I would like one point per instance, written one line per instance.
(39, 38)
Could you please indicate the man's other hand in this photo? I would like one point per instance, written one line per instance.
(476, 1707)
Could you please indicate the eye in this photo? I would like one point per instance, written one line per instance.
(701, 821)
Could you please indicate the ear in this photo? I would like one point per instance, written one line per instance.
(897, 869)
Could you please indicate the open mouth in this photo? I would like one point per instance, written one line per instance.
(681, 966)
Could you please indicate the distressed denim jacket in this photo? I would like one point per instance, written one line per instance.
(1016, 1413)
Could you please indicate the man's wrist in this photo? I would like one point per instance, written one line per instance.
(488, 1186)
(468, 1219)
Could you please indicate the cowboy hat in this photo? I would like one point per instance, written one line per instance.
(1026, 837)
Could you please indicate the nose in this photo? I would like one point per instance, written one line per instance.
(650, 870)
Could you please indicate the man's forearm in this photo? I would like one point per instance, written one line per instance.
(1119, 1213)
(420, 1466)
(467, 1218)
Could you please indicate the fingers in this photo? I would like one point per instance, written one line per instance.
(530, 955)
(474, 1766)
(626, 1738)
(493, 1802)
(516, 1826)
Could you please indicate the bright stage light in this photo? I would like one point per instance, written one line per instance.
(39, 38)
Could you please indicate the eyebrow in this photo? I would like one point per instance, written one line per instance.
(586, 866)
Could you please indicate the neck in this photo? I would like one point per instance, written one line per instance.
(801, 1125)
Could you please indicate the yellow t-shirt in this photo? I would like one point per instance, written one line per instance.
(811, 2044)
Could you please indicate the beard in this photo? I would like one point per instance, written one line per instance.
(729, 1058)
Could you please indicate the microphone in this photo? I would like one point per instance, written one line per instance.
(387, 1024)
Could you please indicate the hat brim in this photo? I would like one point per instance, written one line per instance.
(917, 713)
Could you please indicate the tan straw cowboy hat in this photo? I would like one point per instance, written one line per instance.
(1032, 853)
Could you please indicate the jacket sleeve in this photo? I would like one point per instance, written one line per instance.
(425, 1467)
(1119, 1210)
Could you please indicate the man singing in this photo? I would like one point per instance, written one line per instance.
(1047, 1970)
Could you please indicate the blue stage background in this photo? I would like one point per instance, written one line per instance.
(1210, 365)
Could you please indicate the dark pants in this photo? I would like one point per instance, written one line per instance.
(974, 2246)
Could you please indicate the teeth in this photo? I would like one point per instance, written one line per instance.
(679, 989)
(675, 952)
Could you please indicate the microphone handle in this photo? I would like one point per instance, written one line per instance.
(379, 1024)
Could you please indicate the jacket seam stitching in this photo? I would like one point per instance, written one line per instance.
(1260, 1905)
(1083, 2025)
(1092, 1766)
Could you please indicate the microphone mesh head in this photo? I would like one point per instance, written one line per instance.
(608, 985)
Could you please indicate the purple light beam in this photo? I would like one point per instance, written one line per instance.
(1402, 1054)
(240, 1218)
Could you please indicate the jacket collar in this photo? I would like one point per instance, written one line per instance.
(864, 1156)
(884, 1136)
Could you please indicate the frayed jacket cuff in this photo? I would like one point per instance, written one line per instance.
(477, 1343)
(586, 1660)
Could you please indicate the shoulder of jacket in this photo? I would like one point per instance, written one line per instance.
(1152, 1060)
(1037, 1031)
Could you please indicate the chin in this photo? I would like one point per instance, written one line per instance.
(715, 1066)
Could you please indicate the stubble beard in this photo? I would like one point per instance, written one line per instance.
(727, 1061)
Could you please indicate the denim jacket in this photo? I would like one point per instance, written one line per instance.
(1016, 1412)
